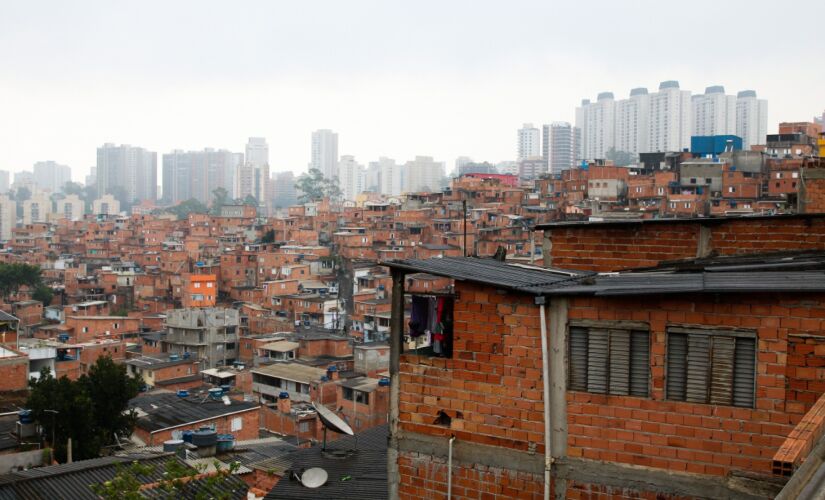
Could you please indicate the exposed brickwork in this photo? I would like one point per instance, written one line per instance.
(691, 437)
(805, 372)
(491, 389)
(601, 492)
(424, 476)
(605, 248)
(801, 440)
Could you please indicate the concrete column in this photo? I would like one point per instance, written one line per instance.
(558, 384)
(396, 338)
(547, 248)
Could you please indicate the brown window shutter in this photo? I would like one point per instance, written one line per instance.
(721, 381)
(698, 357)
(639, 363)
(577, 359)
(619, 362)
(744, 372)
(598, 349)
(677, 348)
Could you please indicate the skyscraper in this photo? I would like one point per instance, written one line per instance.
(423, 174)
(285, 194)
(4, 181)
(562, 146)
(596, 120)
(257, 156)
(51, 176)
(632, 122)
(751, 118)
(132, 168)
(714, 112)
(670, 118)
(350, 177)
(196, 174)
(390, 175)
(325, 152)
(8, 216)
(529, 142)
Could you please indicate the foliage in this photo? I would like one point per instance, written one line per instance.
(22, 194)
(15, 275)
(268, 237)
(44, 294)
(620, 158)
(220, 197)
(90, 410)
(313, 186)
(122, 196)
(250, 200)
(190, 206)
(121, 311)
(176, 476)
(86, 193)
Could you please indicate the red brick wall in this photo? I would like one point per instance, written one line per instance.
(610, 248)
(424, 476)
(805, 372)
(491, 388)
(14, 372)
(698, 438)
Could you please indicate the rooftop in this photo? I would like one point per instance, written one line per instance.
(292, 371)
(160, 410)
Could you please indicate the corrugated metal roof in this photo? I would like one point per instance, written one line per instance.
(671, 220)
(166, 409)
(489, 271)
(362, 475)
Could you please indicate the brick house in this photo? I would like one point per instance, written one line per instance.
(681, 381)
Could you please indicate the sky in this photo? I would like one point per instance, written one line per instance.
(442, 78)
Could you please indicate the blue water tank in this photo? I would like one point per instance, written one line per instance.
(187, 436)
(226, 388)
(182, 393)
(204, 437)
(283, 395)
(384, 382)
(216, 393)
(186, 355)
(63, 337)
(25, 416)
(332, 368)
(174, 357)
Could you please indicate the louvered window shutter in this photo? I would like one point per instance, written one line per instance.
(676, 366)
(619, 362)
(721, 380)
(639, 363)
(696, 390)
(744, 372)
(577, 359)
(597, 355)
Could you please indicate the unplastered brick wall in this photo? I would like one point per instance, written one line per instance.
(490, 392)
(604, 248)
(698, 438)
(806, 366)
(587, 491)
(424, 476)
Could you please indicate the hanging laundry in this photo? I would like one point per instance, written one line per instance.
(419, 315)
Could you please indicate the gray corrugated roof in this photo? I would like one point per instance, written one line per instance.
(366, 469)
(166, 409)
(532, 279)
(691, 220)
(4, 316)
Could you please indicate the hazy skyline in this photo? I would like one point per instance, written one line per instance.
(441, 79)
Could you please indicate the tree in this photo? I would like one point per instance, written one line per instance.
(15, 275)
(122, 196)
(620, 158)
(73, 188)
(268, 237)
(90, 410)
(190, 206)
(220, 197)
(250, 200)
(314, 186)
(44, 294)
(23, 193)
(179, 480)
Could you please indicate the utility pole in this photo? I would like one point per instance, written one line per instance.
(54, 413)
(464, 214)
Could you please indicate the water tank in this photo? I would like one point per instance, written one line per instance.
(172, 445)
(226, 388)
(215, 393)
(186, 355)
(283, 395)
(182, 393)
(174, 357)
(204, 438)
(384, 382)
(63, 337)
(25, 416)
(226, 442)
(187, 436)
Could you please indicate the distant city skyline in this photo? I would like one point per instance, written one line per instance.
(446, 95)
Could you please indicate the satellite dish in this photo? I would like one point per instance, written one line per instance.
(332, 421)
(314, 477)
(226, 400)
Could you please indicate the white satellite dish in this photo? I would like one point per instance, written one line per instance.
(226, 400)
(332, 421)
(314, 477)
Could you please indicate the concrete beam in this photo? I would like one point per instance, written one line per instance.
(396, 338)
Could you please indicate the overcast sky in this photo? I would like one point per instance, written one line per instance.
(439, 78)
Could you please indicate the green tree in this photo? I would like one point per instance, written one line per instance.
(179, 480)
(620, 158)
(190, 206)
(15, 275)
(122, 196)
(250, 200)
(220, 197)
(313, 186)
(90, 410)
(44, 294)
(268, 237)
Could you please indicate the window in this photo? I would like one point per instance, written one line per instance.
(303, 427)
(85, 329)
(237, 424)
(197, 285)
(707, 366)
(609, 361)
